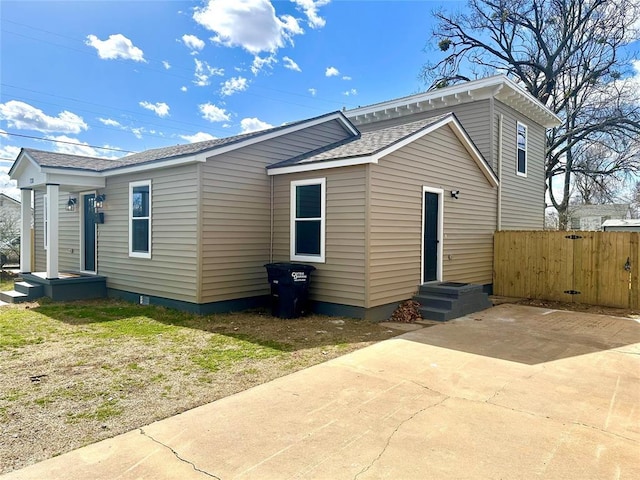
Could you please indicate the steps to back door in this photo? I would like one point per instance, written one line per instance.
(449, 300)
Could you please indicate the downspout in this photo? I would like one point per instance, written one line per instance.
(271, 225)
(499, 213)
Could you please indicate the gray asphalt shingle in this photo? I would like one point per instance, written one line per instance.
(368, 143)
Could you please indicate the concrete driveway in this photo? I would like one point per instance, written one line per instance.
(510, 393)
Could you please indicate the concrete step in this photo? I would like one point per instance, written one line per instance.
(435, 301)
(449, 289)
(12, 296)
(438, 314)
(31, 290)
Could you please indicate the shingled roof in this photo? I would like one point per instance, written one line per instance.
(77, 162)
(368, 143)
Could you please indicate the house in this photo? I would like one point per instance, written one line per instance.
(591, 217)
(380, 199)
(621, 225)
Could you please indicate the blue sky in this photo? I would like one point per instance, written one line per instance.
(134, 75)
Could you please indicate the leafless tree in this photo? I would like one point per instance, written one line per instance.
(569, 55)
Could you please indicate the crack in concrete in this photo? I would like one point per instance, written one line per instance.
(395, 430)
(193, 465)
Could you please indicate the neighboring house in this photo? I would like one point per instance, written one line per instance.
(9, 230)
(591, 217)
(621, 225)
(379, 199)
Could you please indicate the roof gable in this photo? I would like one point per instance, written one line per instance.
(370, 147)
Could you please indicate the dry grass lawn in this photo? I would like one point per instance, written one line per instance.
(75, 373)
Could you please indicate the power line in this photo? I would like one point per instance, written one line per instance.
(68, 143)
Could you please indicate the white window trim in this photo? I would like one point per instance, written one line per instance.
(45, 221)
(323, 194)
(526, 149)
(131, 187)
(440, 193)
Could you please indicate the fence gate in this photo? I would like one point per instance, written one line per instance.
(597, 268)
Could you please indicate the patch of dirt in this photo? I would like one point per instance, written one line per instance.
(73, 389)
(576, 307)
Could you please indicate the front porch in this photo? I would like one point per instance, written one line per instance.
(68, 286)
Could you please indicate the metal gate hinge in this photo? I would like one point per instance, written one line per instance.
(572, 292)
(573, 237)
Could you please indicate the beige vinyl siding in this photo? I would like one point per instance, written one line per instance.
(172, 270)
(236, 212)
(473, 116)
(341, 279)
(68, 234)
(438, 161)
(522, 197)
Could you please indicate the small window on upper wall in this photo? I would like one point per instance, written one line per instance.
(521, 133)
(140, 219)
(308, 220)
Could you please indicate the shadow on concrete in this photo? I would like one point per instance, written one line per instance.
(532, 335)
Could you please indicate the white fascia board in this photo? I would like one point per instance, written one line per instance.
(495, 86)
(23, 161)
(293, 128)
(310, 167)
(156, 165)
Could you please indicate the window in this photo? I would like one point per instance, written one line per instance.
(521, 133)
(308, 220)
(140, 219)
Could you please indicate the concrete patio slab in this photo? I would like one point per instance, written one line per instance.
(512, 392)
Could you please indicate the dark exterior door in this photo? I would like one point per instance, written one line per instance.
(89, 233)
(430, 248)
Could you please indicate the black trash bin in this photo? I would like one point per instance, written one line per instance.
(289, 288)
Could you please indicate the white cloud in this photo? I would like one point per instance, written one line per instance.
(253, 125)
(290, 64)
(117, 46)
(234, 85)
(3, 133)
(212, 113)
(110, 122)
(183, 88)
(26, 117)
(313, 92)
(346, 77)
(72, 146)
(166, 65)
(193, 42)
(9, 151)
(8, 186)
(160, 108)
(204, 71)
(250, 24)
(310, 9)
(138, 132)
(353, 91)
(331, 72)
(259, 63)
(198, 137)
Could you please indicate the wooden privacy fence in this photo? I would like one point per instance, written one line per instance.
(596, 268)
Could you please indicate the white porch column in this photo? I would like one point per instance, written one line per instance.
(52, 207)
(25, 231)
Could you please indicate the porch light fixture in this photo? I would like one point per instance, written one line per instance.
(100, 200)
(455, 193)
(71, 204)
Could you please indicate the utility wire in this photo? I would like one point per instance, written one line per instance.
(69, 143)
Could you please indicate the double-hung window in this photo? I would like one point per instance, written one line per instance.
(521, 135)
(308, 220)
(140, 219)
